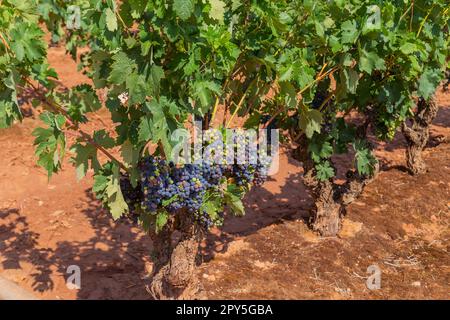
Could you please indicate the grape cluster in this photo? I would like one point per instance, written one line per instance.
(203, 218)
(178, 187)
(213, 174)
(319, 99)
(164, 185)
(255, 170)
(243, 174)
(131, 195)
(262, 169)
(256, 174)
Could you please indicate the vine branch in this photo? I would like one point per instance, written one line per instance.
(74, 126)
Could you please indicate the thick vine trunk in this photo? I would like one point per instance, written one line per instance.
(447, 80)
(328, 209)
(330, 199)
(328, 213)
(355, 185)
(174, 272)
(418, 134)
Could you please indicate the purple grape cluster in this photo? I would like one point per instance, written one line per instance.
(257, 166)
(164, 185)
(178, 187)
(243, 174)
(131, 195)
(203, 218)
(319, 99)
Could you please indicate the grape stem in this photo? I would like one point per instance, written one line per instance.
(324, 103)
(241, 102)
(214, 111)
(282, 109)
(231, 76)
(5, 42)
(424, 20)
(73, 126)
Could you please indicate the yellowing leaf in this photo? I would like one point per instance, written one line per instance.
(111, 20)
(217, 10)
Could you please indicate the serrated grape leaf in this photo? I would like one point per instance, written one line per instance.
(310, 122)
(319, 28)
(111, 20)
(100, 183)
(211, 208)
(212, 205)
(84, 153)
(204, 91)
(156, 75)
(304, 76)
(103, 138)
(324, 171)
(161, 220)
(408, 48)
(371, 61)
(137, 88)
(349, 31)
(217, 10)
(50, 143)
(351, 80)
(286, 73)
(137, 7)
(83, 99)
(233, 198)
(290, 95)
(183, 8)
(159, 127)
(27, 42)
(365, 160)
(145, 129)
(9, 111)
(236, 205)
(114, 197)
(121, 68)
(28, 6)
(130, 153)
(320, 150)
(428, 83)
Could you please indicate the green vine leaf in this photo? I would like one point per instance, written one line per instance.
(310, 122)
(121, 68)
(183, 8)
(111, 20)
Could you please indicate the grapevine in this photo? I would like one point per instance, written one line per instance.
(329, 73)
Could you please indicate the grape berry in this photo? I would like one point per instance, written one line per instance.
(166, 186)
(163, 185)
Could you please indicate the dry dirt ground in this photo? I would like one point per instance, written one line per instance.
(400, 224)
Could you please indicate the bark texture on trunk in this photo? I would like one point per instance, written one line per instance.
(447, 80)
(174, 271)
(326, 218)
(418, 134)
(328, 209)
(355, 185)
(330, 199)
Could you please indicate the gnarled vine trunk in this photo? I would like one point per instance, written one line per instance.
(328, 210)
(175, 260)
(418, 134)
(330, 199)
(326, 218)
